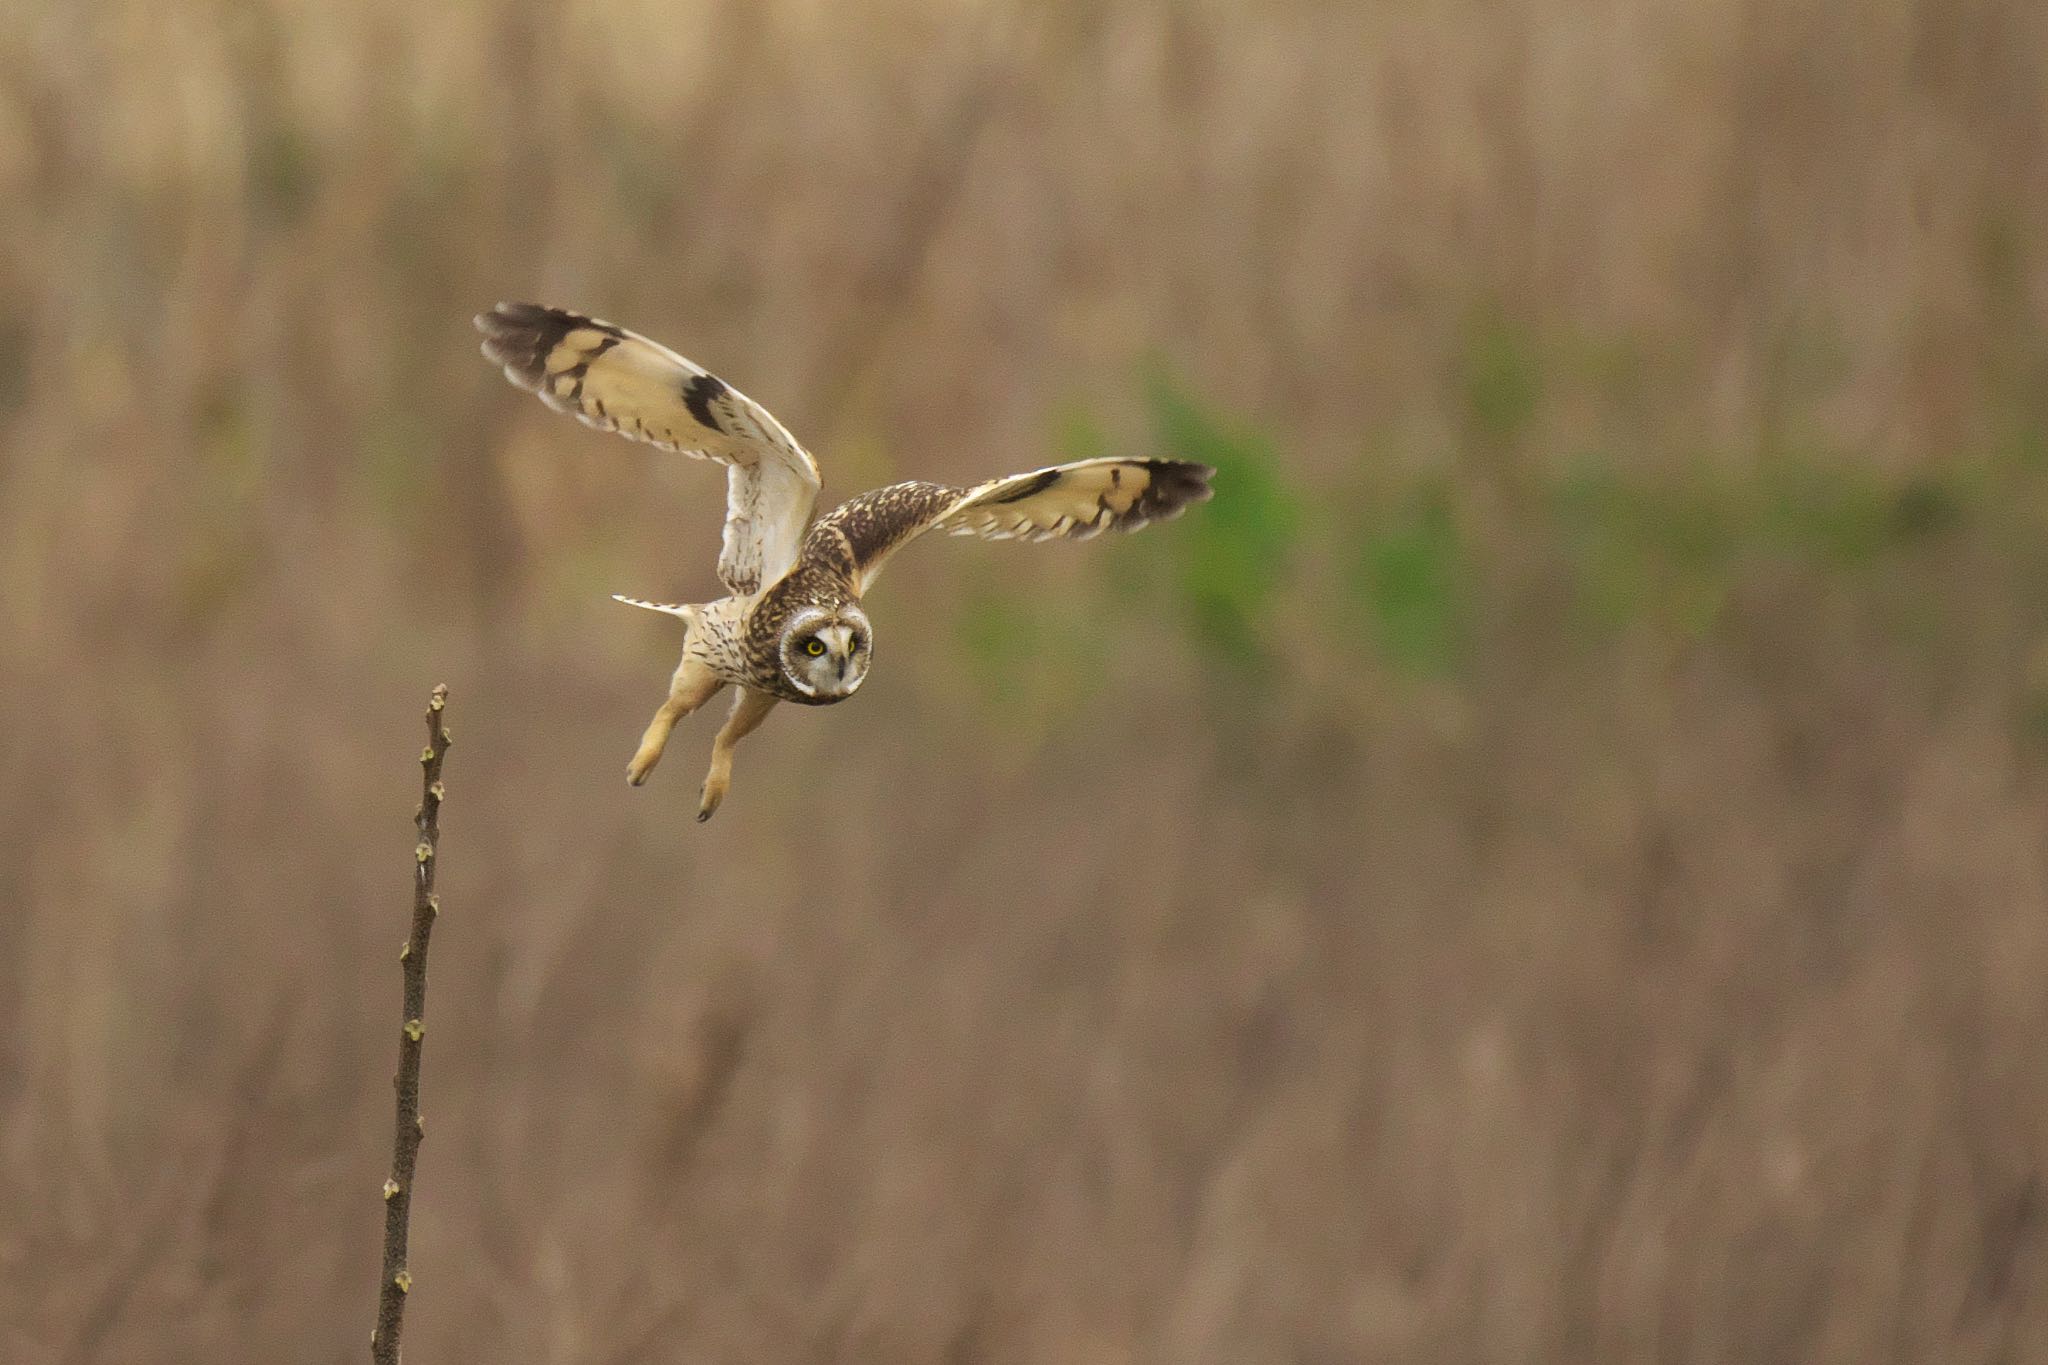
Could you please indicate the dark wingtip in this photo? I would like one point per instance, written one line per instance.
(1176, 485)
(519, 336)
(509, 317)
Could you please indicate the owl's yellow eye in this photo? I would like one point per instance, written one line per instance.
(814, 646)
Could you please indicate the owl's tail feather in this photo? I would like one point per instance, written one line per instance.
(687, 613)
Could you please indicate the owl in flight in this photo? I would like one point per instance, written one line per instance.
(792, 628)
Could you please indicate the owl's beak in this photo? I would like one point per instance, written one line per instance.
(839, 639)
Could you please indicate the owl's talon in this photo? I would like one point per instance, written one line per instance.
(709, 802)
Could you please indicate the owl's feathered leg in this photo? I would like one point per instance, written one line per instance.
(693, 685)
(749, 709)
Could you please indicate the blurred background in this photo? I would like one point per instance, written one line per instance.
(1551, 865)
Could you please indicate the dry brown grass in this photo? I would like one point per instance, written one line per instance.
(1646, 996)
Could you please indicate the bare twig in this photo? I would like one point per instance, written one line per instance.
(405, 1146)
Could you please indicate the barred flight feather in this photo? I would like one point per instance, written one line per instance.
(1066, 502)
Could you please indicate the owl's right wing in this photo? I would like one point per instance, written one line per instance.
(616, 380)
(1066, 502)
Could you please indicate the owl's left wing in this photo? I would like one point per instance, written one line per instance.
(1066, 502)
(616, 380)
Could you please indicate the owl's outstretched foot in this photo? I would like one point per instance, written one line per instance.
(692, 686)
(649, 753)
(749, 709)
(717, 782)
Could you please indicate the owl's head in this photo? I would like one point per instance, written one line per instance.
(825, 651)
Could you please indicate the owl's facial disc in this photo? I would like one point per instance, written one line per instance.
(825, 652)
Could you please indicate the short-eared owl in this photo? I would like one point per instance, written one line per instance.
(793, 628)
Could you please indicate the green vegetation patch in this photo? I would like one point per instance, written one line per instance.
(1232, 555)
(1411, 574)
(1406, 565)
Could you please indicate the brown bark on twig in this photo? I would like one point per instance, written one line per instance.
(405, 1147)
